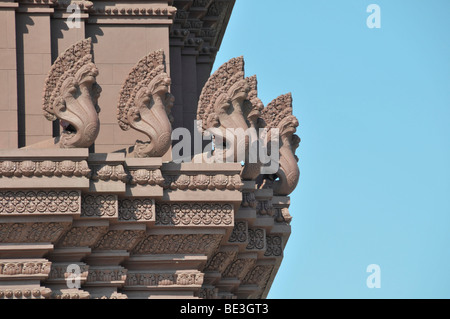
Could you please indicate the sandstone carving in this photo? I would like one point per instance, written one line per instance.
(70, 96)
(278, 114)
(229, 101)
(145, 104)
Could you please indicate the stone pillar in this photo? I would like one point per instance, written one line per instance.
(123, 33)
(8, 76)
(34, 59)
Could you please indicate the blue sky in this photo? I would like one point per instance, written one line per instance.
(374, 112)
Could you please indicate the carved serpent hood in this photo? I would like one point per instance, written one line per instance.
(145, 104)
(229, 102)
(71, 94)
(278, 114)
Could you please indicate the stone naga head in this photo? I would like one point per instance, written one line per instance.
(145, 104)
(71, 94)
(227, 103)
(278, 115)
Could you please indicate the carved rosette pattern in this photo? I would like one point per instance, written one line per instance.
(240, 233)
(274, 246)
(99, 206)
(29, 168)
(179, 244)
(136, 209)
(40, 202)
(194, 214)
(26, 267)
(202, 182)
(165, 279)
(31, 232)
(256, 239)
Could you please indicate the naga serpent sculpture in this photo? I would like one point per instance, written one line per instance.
(229, 101)
(278, 114)
(145, 104)
(70, 95)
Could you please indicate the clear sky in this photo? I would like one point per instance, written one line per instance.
(374, 112)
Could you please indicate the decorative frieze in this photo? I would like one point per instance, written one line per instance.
(259, 275)
(168, 214)
(136, 209)
(24, 267)
(99, 206)
(49, 168)
(240, 233)
(109, 173)
(202, 182)
(134, 11)
(25, 293)
(274, 246)
(220, 261)
(39, 202)
(59, 272)
(257, 238)
(38, 232)
(109, 275)
(239, 268)
(119, 240)
(179, 244)
(162, 279)
(146, 177)
(83, 236)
